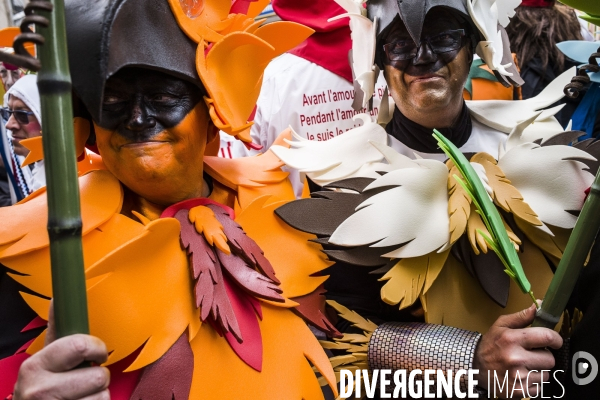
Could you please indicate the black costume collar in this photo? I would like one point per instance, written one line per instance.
(419, 138)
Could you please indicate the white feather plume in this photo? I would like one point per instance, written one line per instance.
(487, 15)
(364, 35)
(414, 210)
(548, 182)
(337, 158)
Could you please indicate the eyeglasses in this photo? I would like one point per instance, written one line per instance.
(21, 116)
(440, 43)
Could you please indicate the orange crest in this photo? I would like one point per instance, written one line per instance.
(232, 68)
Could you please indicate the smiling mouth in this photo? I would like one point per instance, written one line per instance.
(426, 78)
(144, 143)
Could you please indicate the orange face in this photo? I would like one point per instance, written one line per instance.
(166, 169)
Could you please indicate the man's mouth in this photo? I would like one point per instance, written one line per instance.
(143, 143)
(426, 78)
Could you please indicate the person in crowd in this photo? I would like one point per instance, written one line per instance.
(153, 116)
(380, 230)
(310, 88)
(9, 74)
(534, 31)
(586, 117)
(23, 116)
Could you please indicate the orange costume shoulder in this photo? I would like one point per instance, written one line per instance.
(197, 276)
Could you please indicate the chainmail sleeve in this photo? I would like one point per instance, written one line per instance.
(410, 346)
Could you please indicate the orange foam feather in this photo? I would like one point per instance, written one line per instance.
(201, 29)
(135, 288)
(24, 229)
(293, 257)
(284, 35)
(257, 7)
(36, 150)
(232, 75)
(34, 267)
(288, 349)
(7, 37)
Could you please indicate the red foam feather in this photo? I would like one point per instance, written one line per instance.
(9, 371)
(251, 349)
(37, 322)
(249, 279)
(169, 378)
(210, 292)
(189, 204)
(243, 245)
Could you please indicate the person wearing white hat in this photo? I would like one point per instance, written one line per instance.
(24, 121)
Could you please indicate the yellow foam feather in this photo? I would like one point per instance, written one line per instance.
(459, 205)
(505, 194)
(410, 278)
(457, 299)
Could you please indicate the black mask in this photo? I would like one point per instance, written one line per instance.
(139, 103)
(426, 61)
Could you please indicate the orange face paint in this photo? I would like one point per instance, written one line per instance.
(166, 169)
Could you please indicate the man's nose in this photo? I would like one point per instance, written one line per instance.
(424, 54)
(12, 124)
(139, 118)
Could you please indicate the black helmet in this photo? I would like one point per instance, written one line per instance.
(148, 37)
(413, 12)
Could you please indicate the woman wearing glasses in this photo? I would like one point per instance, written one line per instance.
(23, 121)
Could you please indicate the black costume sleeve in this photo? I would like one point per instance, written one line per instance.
(586, 333)
(4, 191)
(15, 315)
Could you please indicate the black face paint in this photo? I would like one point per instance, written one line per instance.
(426, 61)
(139, 103)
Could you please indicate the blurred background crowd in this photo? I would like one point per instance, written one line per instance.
(319, 65)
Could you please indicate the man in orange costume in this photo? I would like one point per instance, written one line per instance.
(189, 293)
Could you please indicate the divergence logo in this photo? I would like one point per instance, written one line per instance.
(429, 384)
(418, 384)
(584, 368)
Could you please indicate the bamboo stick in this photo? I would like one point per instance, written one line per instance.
(570, 265)
(64, 216)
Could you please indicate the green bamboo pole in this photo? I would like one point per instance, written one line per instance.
(570, 265)
(64, 216)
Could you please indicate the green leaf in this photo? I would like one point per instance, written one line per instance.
(499, 240)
